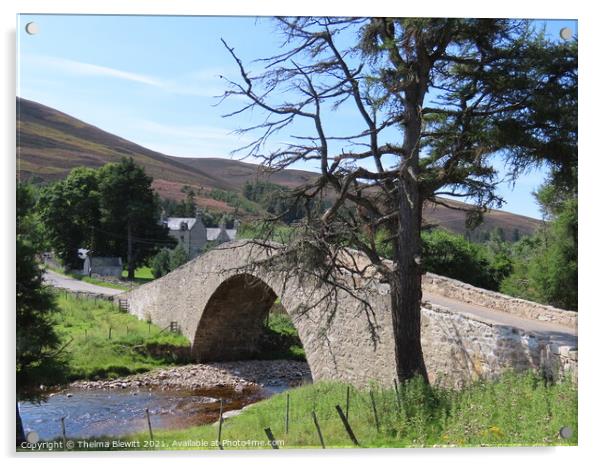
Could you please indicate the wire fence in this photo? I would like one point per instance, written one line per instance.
(116, 324)
(337, 415)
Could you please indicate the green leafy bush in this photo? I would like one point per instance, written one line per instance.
(453, 256)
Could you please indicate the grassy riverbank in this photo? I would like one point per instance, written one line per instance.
(515, 410)
(103, 342)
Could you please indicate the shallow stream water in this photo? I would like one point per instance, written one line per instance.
(97, 412)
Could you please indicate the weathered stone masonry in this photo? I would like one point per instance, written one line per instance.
(519, 307)
(220, 303)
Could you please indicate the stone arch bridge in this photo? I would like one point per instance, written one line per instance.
(220, 300)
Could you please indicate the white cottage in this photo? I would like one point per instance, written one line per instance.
(192, 234)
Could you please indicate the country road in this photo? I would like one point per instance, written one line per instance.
(67, 283)
(556, 333)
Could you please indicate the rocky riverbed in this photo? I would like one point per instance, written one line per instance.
(237, 375)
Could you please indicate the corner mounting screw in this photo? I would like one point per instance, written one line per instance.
(566, 33)
(32, 28)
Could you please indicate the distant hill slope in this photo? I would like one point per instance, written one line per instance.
(238, 173)
(454, 220)
(51, 143)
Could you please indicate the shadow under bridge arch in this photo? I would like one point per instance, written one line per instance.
(233, 322)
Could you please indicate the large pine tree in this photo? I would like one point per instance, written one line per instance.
(435, 101)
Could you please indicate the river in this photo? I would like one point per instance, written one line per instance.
(100, 412)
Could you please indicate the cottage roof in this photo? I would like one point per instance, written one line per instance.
(175, 223)
(213, 234)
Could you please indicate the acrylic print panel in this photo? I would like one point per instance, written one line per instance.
(219, 238)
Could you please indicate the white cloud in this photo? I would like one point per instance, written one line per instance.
(206, 82)
(89, 69)
(199, 83)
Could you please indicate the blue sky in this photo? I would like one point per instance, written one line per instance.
(153, 80)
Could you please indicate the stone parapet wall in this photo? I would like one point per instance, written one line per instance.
(459, 349)
(464, 292)
(560, 362)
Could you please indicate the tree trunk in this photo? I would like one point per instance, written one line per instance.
(20, 430)
(131, 269)
(406, 284)
(406, 295)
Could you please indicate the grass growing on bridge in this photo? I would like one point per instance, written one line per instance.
(515, 410)
(84, 326)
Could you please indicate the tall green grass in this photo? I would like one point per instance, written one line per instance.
(103, 342)
(517, 409)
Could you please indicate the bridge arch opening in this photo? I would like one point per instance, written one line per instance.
(233, 323)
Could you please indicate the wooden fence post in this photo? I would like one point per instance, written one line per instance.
(347, 426)
(374, 411)
(63, 432)
(397, 395)
(150, 428)
(221, 421)
(286, 418)
(347, 402)
(313, 414)
(270, 435)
